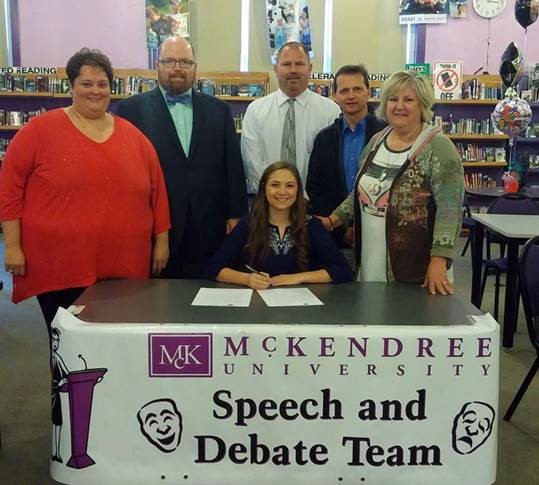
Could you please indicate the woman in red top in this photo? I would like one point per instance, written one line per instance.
(82, 196)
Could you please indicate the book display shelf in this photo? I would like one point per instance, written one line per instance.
(466, 121)
(23, 96)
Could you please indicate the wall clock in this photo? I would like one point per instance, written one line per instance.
(489, 8)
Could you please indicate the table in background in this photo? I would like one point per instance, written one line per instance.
(515, 230)
(483, 196)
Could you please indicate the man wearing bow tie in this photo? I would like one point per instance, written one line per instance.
(197, 145)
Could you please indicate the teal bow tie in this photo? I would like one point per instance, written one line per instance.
(184, 98)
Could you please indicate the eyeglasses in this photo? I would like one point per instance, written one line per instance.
(170, 63)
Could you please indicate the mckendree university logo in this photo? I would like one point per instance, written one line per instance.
(180, 354)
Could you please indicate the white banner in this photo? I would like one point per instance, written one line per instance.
(275, 404)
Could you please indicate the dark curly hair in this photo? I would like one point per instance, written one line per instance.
(257, 247)
(88, 57)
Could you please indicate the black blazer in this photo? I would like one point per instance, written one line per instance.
(326, 184)
(209, 182)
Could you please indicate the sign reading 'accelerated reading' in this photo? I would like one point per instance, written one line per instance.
(287, 404)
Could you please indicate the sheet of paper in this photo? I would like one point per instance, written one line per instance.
(289, 297)
(222, 297)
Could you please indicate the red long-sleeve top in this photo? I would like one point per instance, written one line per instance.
(87, 210)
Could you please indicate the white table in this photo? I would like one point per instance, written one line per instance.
(515, 230)
(384, 384)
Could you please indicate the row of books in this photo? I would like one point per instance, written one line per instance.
(533, 79)
(477, 179)
(46, 84)
(39, 84)
(473, 89)
(465, 126)
(531, 95)
(4, 142)
(470, 152)
(322, 89)
(120, 86)
(376, 92)
(212, 88)
(238, 122)
(132, 85)
(17, 118)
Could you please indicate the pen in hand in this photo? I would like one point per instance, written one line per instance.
(266, 278)
(251, 269)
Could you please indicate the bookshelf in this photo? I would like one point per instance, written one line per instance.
(471, 136)
(485, 164)
(466, 121)
(25, 95)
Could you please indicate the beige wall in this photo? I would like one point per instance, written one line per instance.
(368, 31)
(363, 31)
(3, 40)
(215, 32)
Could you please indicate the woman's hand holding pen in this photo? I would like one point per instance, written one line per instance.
(259, 281)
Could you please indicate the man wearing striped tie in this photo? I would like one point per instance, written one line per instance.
(283, 124)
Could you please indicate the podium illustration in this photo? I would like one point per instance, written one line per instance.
(80, 389)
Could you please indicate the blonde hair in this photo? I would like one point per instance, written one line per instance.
(419, 84)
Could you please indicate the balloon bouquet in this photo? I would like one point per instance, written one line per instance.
(512, 115)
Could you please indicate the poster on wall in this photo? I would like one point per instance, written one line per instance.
(165, 18)
(288, 20)
(458, 9)
(421, 69)
(447, 77)
(423, 11)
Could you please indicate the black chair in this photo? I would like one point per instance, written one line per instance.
(467, 223)
(513, 203)
(529, 288)
(532, 178)
(1, 287)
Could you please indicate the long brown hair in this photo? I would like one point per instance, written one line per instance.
(257, 247)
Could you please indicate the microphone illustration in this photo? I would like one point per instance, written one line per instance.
(82, 358)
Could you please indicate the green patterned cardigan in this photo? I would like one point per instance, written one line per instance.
(423, 216)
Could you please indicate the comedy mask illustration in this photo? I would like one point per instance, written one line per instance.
(161, 423)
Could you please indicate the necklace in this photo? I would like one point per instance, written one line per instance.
(389, 168)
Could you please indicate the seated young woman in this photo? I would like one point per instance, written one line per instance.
(279, 244)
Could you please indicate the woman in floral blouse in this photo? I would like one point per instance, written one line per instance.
(407, 202)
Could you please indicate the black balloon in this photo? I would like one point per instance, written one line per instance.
(510, 66)
(526, 12)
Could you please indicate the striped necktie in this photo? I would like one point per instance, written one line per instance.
(288, 142)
